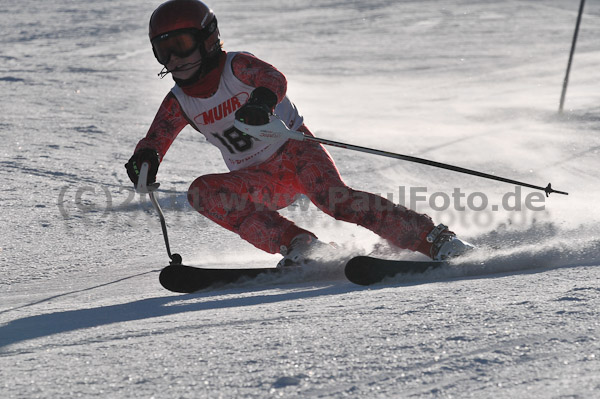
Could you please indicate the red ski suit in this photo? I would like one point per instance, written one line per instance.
(246, 199)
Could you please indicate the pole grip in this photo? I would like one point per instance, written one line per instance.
(142, 187)
(275, 130)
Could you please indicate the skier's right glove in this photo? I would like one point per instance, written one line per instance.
(257, 109)
(134, 166)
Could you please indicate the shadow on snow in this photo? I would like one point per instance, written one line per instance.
(45, 325)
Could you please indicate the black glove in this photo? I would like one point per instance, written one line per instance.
(134, 166)
(257, 109)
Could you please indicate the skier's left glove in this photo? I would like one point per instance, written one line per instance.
(134, 165)
(258, 108)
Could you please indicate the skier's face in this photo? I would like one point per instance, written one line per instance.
(179, 52)
(185, 67)
(180, 42)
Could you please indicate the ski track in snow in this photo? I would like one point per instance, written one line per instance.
(470, 83)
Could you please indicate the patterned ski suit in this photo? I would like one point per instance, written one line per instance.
(265, 177)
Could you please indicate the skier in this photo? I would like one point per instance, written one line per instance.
(212, 89)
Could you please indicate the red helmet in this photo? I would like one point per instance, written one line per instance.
(187, 14)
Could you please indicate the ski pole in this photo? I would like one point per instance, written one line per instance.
(572, 52)
(276, 130)
(144, 188)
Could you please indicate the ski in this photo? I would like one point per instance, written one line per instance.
(366, 270)
(362, 270)
(188, 279)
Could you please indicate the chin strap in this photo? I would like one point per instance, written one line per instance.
(163, 72)
(185, 67)
(205, 67)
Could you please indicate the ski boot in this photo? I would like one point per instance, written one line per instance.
(303, 249)
(445, 244)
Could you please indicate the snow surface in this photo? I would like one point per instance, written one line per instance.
(472, 83)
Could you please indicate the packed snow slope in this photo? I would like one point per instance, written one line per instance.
(471, 83)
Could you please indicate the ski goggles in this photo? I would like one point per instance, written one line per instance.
(182, 43)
